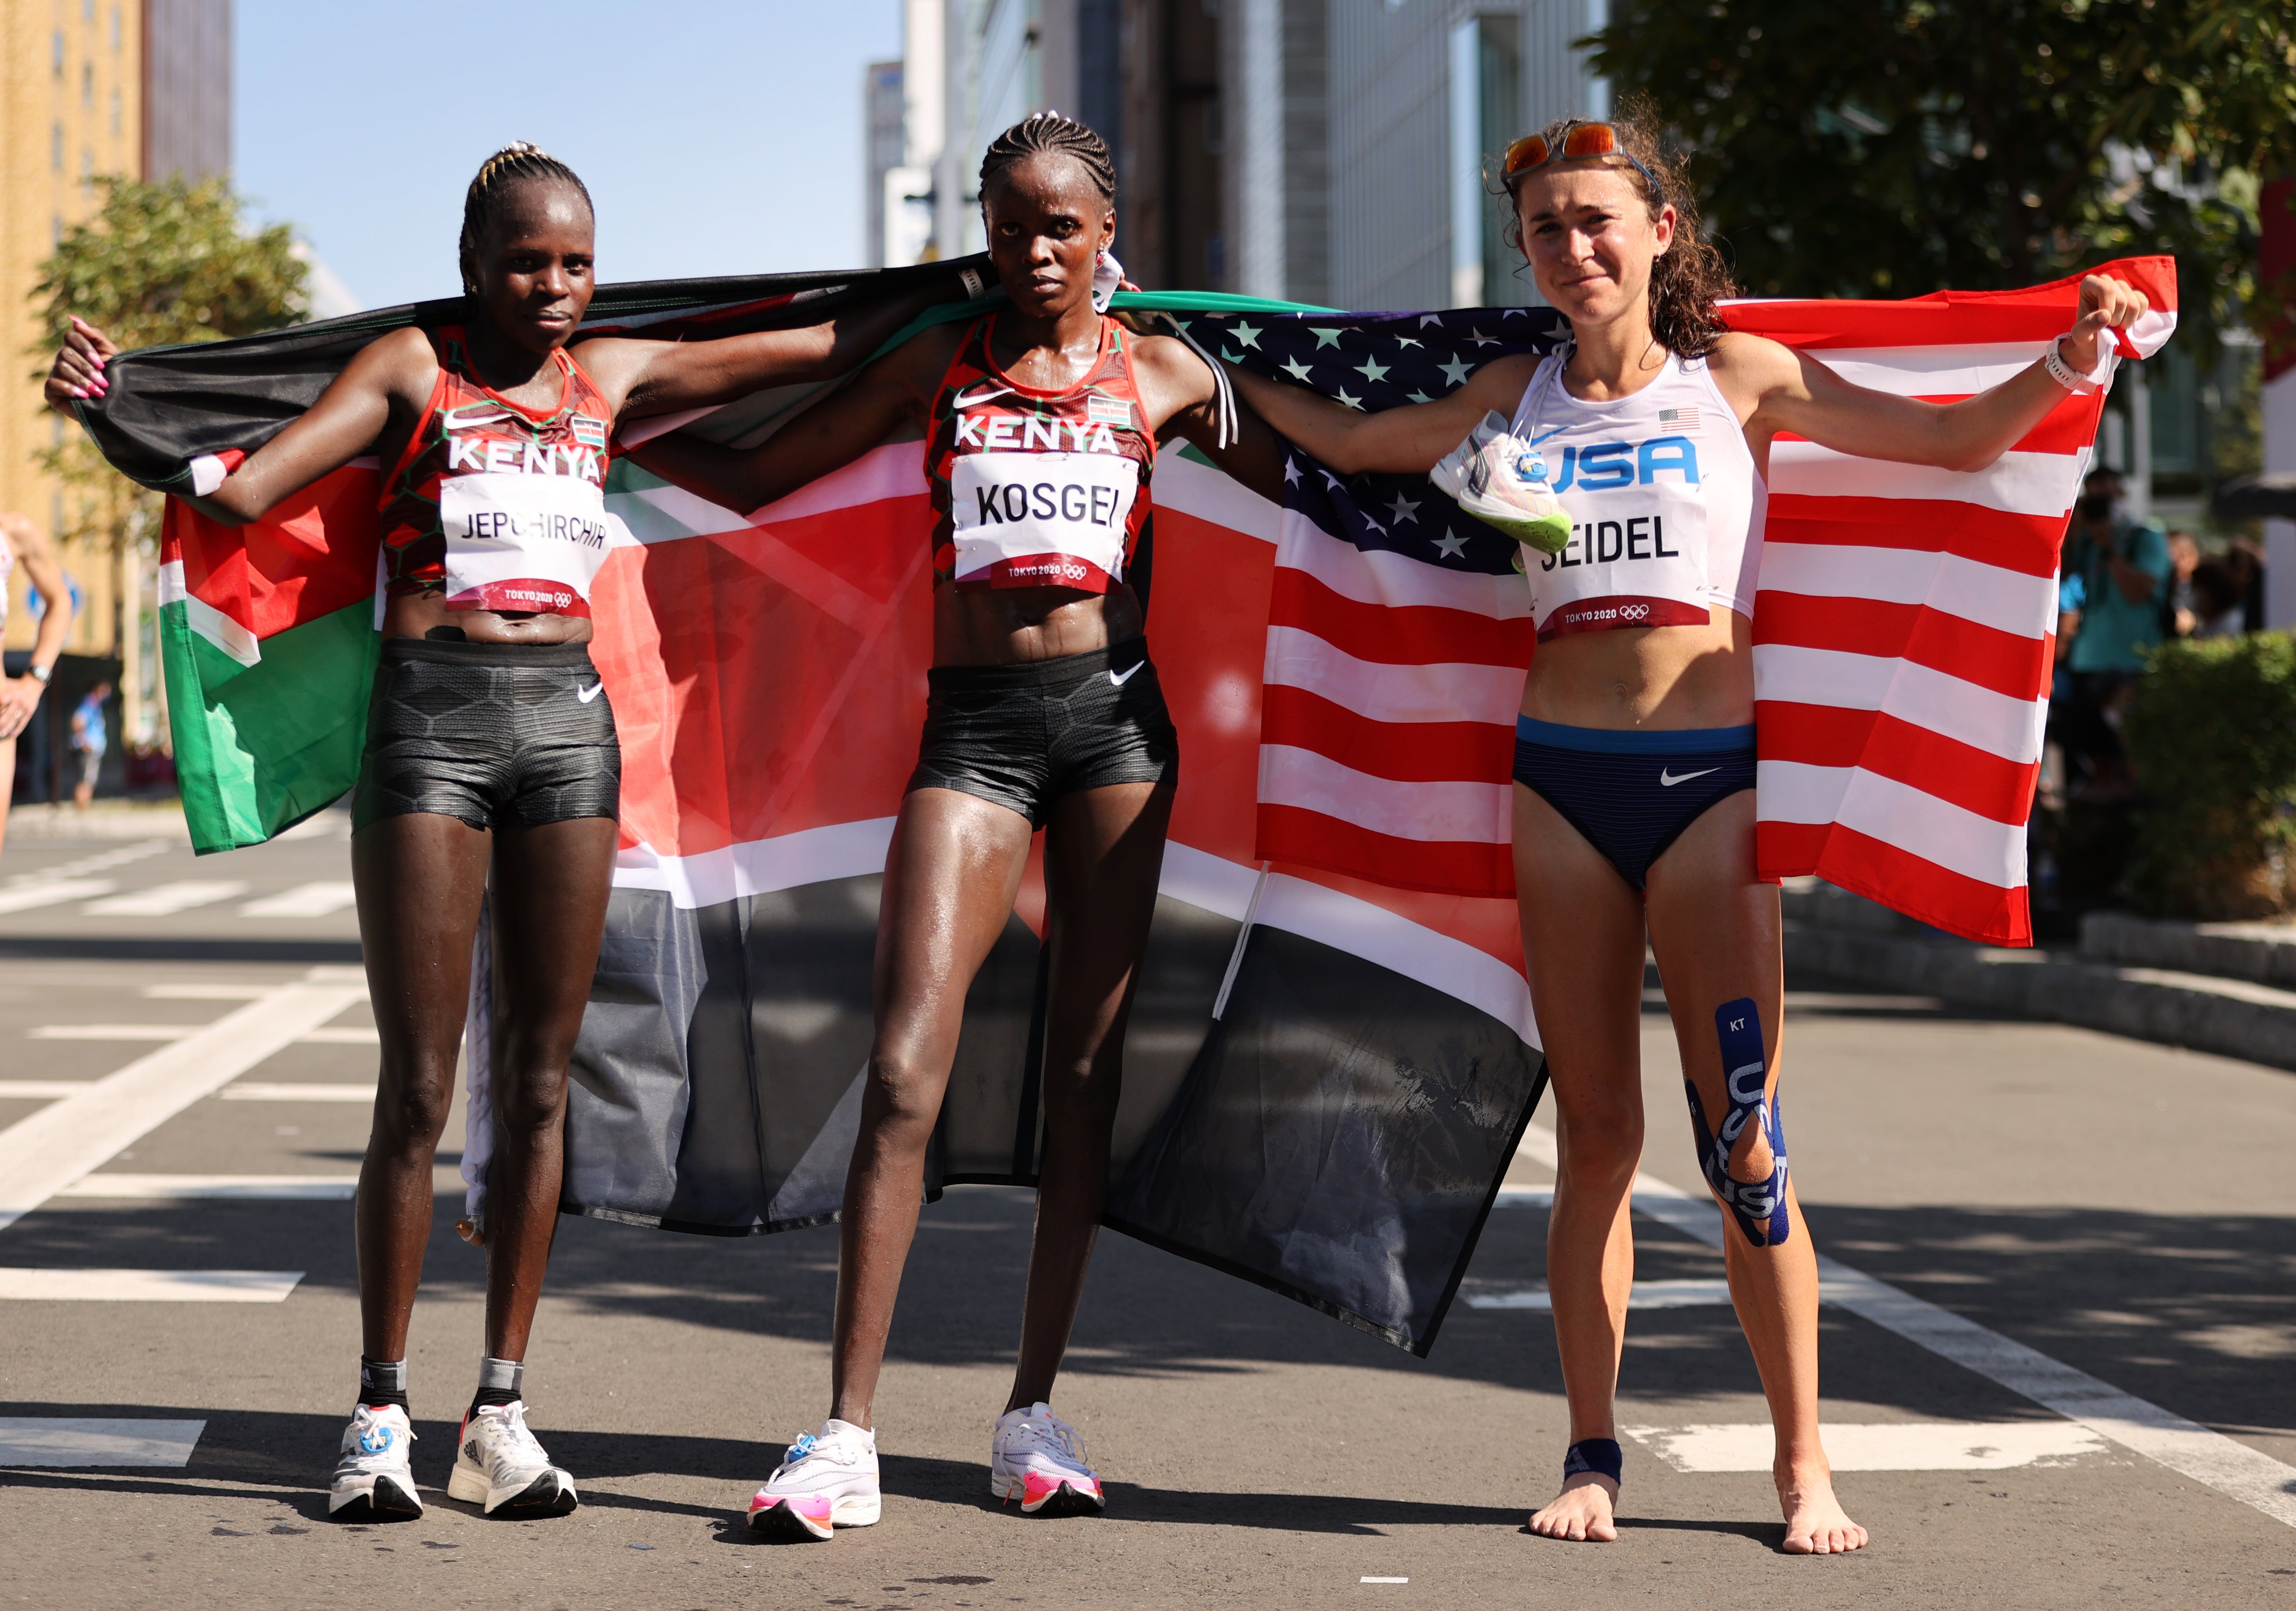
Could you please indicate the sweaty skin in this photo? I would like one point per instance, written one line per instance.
(420, 877)
(1591, 240)
(956, 860)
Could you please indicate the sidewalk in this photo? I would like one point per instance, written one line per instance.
(2228, 988)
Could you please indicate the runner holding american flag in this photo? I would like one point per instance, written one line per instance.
(1633, 464)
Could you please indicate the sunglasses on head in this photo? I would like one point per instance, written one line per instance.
(1580, 140)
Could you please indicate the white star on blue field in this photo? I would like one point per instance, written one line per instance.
(1371, 363)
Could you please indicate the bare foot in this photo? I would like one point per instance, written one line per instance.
(1583, 1511)
(1816, 1522)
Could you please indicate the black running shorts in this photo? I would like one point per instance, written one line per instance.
(1025, 735)
(497, 734)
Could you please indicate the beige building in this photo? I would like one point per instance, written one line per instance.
(86, 87)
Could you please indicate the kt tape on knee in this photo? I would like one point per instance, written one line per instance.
(1759, 1206)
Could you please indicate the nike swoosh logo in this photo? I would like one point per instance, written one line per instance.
(1667, 779)
(588, 694)
(976, 400)
(1121, 679)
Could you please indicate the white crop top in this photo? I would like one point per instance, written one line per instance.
(1666, 508)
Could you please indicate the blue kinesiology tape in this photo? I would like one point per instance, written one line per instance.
(1759, 1206)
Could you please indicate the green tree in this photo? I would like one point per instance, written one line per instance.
(1900, 146)
(157, 264)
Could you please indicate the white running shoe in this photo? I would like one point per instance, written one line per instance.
(1037, 1458)
(374, 1481)
(499, 1464)
(825, 1481)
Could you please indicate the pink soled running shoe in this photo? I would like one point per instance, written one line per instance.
(1037, 1458)
(826, 1481)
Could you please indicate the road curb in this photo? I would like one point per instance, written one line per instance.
(2231, 1016)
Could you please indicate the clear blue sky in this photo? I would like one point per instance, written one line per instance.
(716, 137)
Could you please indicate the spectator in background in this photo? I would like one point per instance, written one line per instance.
(2176, 619)
(2125, 568)
(22, 543)
(89, 739)
(2218, 605)
(2244, 560)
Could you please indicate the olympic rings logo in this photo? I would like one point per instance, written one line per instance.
(1633, 612)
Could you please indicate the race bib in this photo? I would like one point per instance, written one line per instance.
(1041, 519)
(522, 543)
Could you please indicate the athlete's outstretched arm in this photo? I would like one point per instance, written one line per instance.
(1182, 396)
(397, 368)
(1797, 393)
(832, 434)
(641, 377)
(1400, 441)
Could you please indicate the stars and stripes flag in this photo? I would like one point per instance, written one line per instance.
(1903, 627)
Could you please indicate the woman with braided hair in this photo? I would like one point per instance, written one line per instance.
(1040, 423)
(489, 744)
(1636, 459)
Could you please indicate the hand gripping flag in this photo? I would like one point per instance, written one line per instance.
(1332, 1055)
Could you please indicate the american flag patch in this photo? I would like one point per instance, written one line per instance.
(1681, 418)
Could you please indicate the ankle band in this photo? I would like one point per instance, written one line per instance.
(383, 1381)
(1600, 1455)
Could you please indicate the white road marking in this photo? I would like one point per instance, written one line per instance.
(113, 1032)
(103, 860)
(445, 1178)
(28, 898)
(40, 1090)
(46, 1151)
(148, 1286)
(206, 992)
(1646, 1294)
(166, 900)
(256, 1091)
(59, 1440)
(303, 901)
(2185, 1447)
(192, 1187)
(1382, 1580)
(349, 1034)
(1878, 1446)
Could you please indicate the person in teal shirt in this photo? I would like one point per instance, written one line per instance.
(2125, 568)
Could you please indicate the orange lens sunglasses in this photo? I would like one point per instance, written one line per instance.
(1579, 141)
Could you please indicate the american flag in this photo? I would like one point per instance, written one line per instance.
(1903, 623)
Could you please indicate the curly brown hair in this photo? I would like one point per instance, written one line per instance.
(1690, 277)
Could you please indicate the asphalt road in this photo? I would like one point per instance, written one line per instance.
(2127, 1211)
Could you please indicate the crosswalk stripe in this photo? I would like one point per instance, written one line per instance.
(445, 1178)
(147, 1286)
(46, 1151)
(193, 1187)
(1878, 1446)
(2208, 1457)
(349, 1035)
(305, 901)
(76, 1440)
(166, 900)
(31, 897)
(257, 1090)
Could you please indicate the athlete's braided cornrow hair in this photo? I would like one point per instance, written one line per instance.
(517, 163)
(1691, 277)
(1049, 132)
